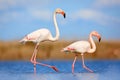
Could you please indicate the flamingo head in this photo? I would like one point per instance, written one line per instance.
(60, 11)
(96, 34)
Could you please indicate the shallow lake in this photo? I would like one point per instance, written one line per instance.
(23, 70)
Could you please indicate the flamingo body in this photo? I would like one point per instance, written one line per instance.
(37, 36)
(79, 46)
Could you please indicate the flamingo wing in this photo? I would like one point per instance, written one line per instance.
(37, 36)
(80, 46)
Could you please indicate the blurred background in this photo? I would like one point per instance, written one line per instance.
(20, 17)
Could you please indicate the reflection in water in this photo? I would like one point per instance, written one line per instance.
(51, 76)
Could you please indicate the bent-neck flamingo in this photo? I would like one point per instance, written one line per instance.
(83, 47)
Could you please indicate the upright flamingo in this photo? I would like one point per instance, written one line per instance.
(83, 47)
(43, 35)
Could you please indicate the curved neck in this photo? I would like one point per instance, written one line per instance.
(56, 28)
(92, 44)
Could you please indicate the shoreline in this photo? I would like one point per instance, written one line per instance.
(51, 51)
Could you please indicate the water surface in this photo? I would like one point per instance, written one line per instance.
(23, 70)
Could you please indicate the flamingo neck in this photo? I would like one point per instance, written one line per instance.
(92, 50)
(56, 28)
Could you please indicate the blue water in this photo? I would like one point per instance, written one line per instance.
(23, 70)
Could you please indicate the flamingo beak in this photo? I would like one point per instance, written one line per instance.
(64, 15)
(99, 39)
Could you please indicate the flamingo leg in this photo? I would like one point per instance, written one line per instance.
(33, 60)
(85, 67)
(74, 64)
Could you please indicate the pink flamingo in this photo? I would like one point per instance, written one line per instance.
(43, 35)
(83, 47)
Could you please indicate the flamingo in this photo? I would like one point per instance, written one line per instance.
(41, 35)
(83, 47)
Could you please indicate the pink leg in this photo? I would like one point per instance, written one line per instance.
(33, 60)
(84, 64)
(74, 64)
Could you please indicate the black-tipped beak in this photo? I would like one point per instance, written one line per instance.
(64, 15)
(99, 39)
